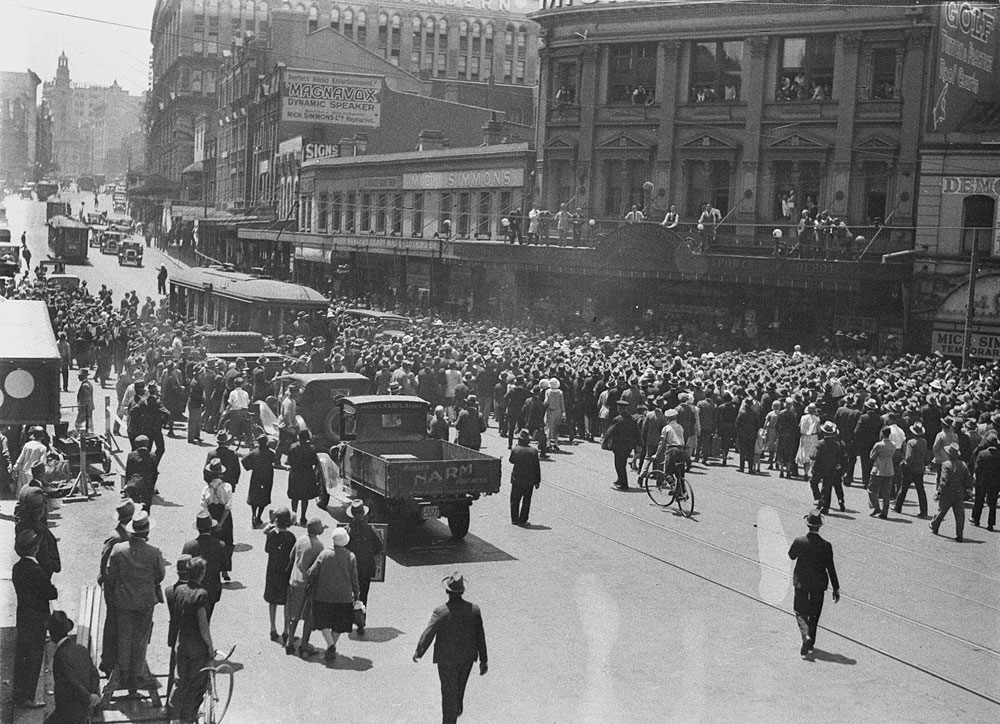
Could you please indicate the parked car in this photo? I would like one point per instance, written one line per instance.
(130, 252)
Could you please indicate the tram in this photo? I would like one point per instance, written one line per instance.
(68, 239)
(238, 302)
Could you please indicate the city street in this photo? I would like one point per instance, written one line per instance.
(605, 609)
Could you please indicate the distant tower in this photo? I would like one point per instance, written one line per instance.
(62, 72)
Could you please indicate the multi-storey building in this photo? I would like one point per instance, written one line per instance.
(18, 93)
(88, 123)
(481, 52)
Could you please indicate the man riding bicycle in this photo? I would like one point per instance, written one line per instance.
(237, 412)
(669, 455)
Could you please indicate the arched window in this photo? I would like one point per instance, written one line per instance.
(362, 23)
(313, 19)
(978, 214)
(416, 24)
(522, 38)
(383, 34)
(463, 38)
(335, 19)
(348, 26)
(262, 11)
(508, 39)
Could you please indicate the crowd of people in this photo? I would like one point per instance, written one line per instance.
(643, 396)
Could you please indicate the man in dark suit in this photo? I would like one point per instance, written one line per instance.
(77, 682)
(34, 590)
(457, 627)
(846, 419)
(524, 478)
(109, 642)
(213, 551)
(866, 433)
(621, 438)
(814, 569)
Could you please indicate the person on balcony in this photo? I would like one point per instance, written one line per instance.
(634, 216)
(672, 218)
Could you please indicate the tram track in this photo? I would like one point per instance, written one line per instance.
(858, 642)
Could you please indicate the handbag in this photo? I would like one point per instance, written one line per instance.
(359, 614)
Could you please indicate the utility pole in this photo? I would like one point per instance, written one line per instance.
(970, 311)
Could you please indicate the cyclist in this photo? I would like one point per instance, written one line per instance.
(670, 452)
(238, 411)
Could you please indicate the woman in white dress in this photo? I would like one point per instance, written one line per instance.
(555, 412)
(808, 439)
(32, 452)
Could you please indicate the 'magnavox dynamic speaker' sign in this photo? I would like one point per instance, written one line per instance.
(342, 99)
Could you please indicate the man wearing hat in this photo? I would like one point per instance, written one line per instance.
(366, 546)
(456, 628)
(621, 438)
(525, 476)
(33, 588)
(135, 571)
(515, 398)
(31, 513)
(826, 475)
(470, 425)
(814, 570)
(955, 478)
(879, 487)
(85, 402)
(212, 550)
(109, 640)
(987, 469)
(140, 472)
(77, 683)
(866, 433)
(229, 459)
(912, 469)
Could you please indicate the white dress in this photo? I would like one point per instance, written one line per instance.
(808, 440)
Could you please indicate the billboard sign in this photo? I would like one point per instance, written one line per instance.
(965, 69)
(340, 99)
(951, 343)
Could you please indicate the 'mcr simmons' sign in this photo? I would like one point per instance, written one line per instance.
(343, 99)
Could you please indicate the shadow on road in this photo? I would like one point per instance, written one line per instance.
(431, 544)
(242, 548)
(348, 663)
(831, 658)
(377, 635)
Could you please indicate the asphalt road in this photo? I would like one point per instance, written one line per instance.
(608, 608)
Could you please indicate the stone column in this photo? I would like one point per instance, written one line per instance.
(845, 83)
(754, 90)
(587, 96)
(668, 54)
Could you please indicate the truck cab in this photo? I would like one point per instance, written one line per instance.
(391, 462)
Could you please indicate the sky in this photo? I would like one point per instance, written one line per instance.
(99, 51)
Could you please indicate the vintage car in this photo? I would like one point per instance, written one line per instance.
(111, 241)
(393, 465)
(66, 281)
(320, 392)
(130, 252)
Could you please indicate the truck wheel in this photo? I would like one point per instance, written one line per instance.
(458, 522)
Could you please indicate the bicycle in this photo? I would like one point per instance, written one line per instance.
(665, 488)
(242, 428)
(216, 702)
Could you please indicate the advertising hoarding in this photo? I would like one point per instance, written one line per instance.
(341, 99)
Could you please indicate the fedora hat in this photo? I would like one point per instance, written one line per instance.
(141, 441)
(455, 583)
(140, 524)
(871, 404)
(283, 517)
(315, 526)
(813, 519)
(828, 428)
(215, 467)
(222, 438)
(917, 429)
(524, 436)
(670, 414)
(83, 374)
(471, 400)
(59, 625)
(25, 542)
(124, 510)
(357, 509)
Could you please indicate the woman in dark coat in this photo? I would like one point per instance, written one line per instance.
(303, 468)
(278, 546)
(217, 499)
(365, 545)
(787, 426)
(260, 463)
(747, 425)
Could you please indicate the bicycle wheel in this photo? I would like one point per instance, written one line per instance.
(659, 487)
(218, 694)
(685, 498)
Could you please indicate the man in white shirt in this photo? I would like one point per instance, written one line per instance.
(634, 216)
(672, 219)
(238, 410)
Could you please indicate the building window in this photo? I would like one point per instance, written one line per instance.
(335, 19)
(362, 27)
(632, 73)
(564, 84)
(978, 214)
(463, 67)
(365, 212)
(209, 82)
(506, 202)
(417, 218)
(196, 81)
(483, 214)
(350, 212)
(382, 213)
(321, 226)
(876, 179)
(883, 87)
(397, 214)
(198, 47)
(445, 214)
(798, 187)
(519, 72)
(707, 182)
(442, 47)
(716, 71)
(336, 213)
(464, 213)
(383, 35)
(463, 37)
(806, 72)
(474, 68)
(313, 19)
(348, 27)
(488, 46)
(508, 70)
